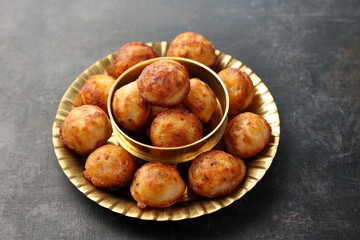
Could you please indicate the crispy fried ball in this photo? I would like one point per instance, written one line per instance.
(131, 54)
(246, 135)
(164, 83)
(129, 108)
(157, 185)
(78, 100)
(154, 111)
(193, 46)
(175, 127)
(240, 88)
(110, 166)
(201, 100)
(85, 128)
(96, 90)
(215, 173)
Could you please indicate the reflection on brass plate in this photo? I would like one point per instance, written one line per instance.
(190, 206)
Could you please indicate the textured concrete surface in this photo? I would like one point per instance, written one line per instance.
(306, 52)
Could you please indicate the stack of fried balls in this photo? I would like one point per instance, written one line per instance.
(170, 108)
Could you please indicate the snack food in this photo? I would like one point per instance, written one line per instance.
(192, 205)
(96, 90)
(85, 128)
(215, 173)
(157, 185)
(240, 88)
(246, 135)
(110, 166)
(175, 127)
(78, 100)
(154, 111)
(193, 46)
(129, 108)
(164, 83)
(130, 54)
(201, 100)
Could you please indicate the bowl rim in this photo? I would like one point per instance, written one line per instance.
(148, 62)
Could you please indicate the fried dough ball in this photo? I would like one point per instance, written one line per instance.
(164, 83)
(131, 54)
(215, 173)
(157, 185)
(110, 166)
(240, 88)
(193, 46)
(154, 111)
(201, 100)
(85, 128)
(96, 90)
(175, 127)
(78, 100)
(246, 135)
(129, 108)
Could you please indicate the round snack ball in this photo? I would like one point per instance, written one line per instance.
(201, 100)
(154, 111)
(157, 185)
(110, 166)
(215, 173)
(96, 90)
(85, 128)
(129, 108)
(193, 46)
(240, 88)
(164, 83)
(175, 127)
(131, 54)
(78, 100)
(246, 135)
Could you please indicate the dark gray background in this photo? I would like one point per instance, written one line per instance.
(306, 52)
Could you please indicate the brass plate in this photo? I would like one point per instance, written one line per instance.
(191, 205)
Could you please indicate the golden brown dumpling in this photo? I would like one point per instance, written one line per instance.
(164, 83)
(110, 166)
(129, 108)
(175, 127)
(131, 54)
(85, 128)
(157, 185)
(78, 100)
(246, 135)
(154, 111)
(96, 90)
(215, 173)
(193, 46)
(201, 100)
(240, 88)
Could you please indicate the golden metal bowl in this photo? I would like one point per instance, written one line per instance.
(137, 144)
(191, 205)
